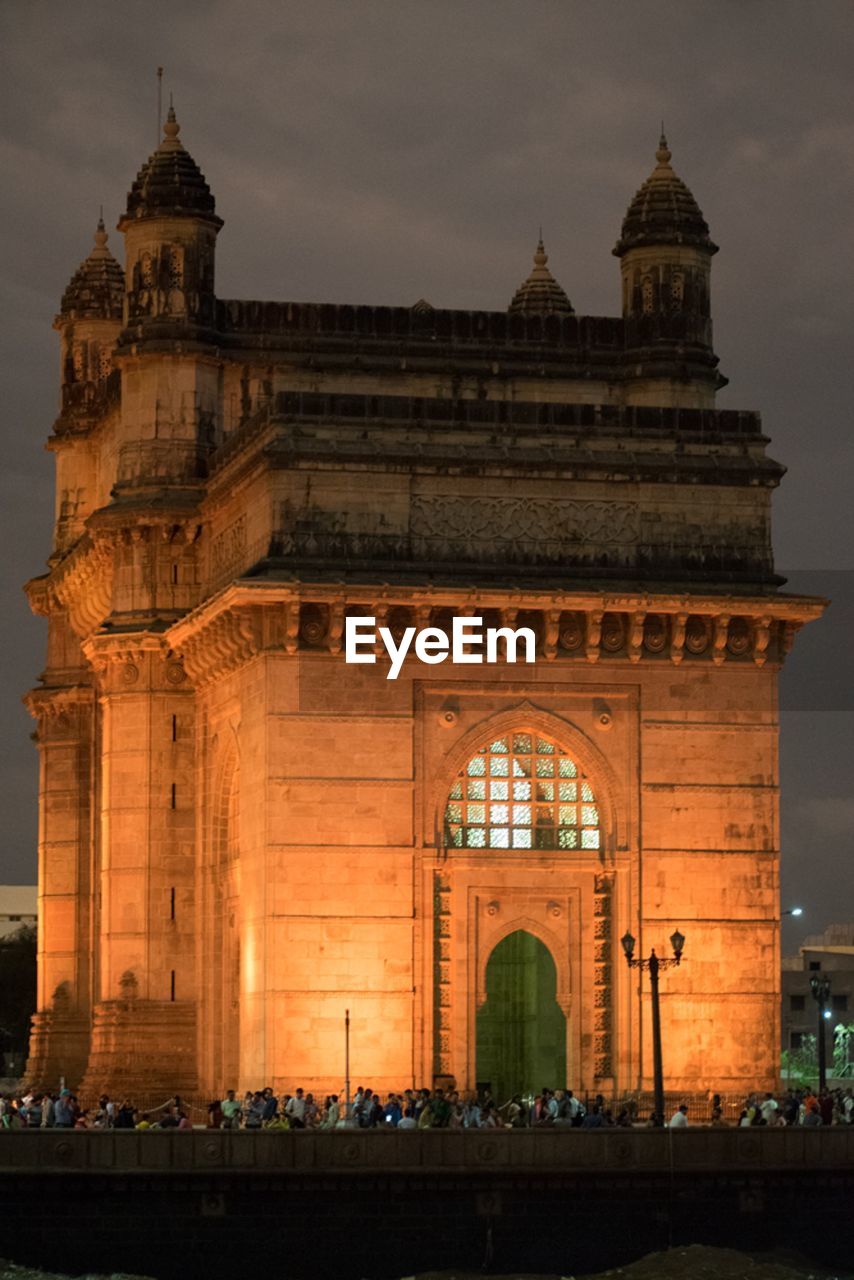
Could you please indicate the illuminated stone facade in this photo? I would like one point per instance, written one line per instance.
(242, 835)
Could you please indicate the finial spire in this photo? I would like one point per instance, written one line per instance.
(171, 129)
(101, 237)
(663, 153)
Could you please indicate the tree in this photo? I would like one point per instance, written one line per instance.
(843, 1051)
(800, 1066)
(17, 989)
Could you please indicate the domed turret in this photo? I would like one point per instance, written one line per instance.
(89, 322)
(663, 211)
(170, 229)
(98, 285)
(170, 183)
(665, 253)
(540, 293)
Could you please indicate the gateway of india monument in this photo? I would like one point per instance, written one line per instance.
(242, 834)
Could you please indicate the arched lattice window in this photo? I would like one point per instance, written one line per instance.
(521, 791)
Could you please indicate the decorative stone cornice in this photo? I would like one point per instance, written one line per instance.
(79, 584)
(246, 619)
(231, 637)
(51, 703)
(59, 712)
(39, 595)
(136, 663)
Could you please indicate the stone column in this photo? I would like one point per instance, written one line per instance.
(59, 1042)
(143, 1037)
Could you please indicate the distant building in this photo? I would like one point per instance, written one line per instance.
(17, 907)
(831, 953)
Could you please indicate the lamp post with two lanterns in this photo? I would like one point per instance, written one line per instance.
(820, 987)
(654, 964)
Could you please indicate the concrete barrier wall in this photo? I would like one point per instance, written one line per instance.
(619, 1151)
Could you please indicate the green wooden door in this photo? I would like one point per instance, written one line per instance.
(521, 1031)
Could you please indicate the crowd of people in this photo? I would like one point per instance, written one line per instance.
(810, 1108)
(409, 1109)
(62, 1110)
(422, 1109)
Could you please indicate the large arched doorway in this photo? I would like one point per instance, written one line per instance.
(522, 839)
(521, 1029)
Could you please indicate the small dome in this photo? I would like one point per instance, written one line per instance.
(171, 182)
(97, 287)
(663, 211)
(541, 293)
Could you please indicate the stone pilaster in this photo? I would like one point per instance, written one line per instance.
(59, 1042)
(143, 1034)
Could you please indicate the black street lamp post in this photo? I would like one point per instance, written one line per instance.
(654, 964)
(820, 987)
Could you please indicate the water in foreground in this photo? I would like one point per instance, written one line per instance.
(694, 1262)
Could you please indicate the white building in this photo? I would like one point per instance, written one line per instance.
(17, 907)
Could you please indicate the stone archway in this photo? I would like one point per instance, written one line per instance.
(520, 1028)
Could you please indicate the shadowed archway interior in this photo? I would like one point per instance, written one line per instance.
(521, 1029)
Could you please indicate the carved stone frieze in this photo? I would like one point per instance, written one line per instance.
(483, 529)
(518, 529)
(228, 549)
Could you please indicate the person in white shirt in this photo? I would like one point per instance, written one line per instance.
(679, 1119)
(768, 1108)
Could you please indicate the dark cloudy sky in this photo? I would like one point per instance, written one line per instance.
(384, 150)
